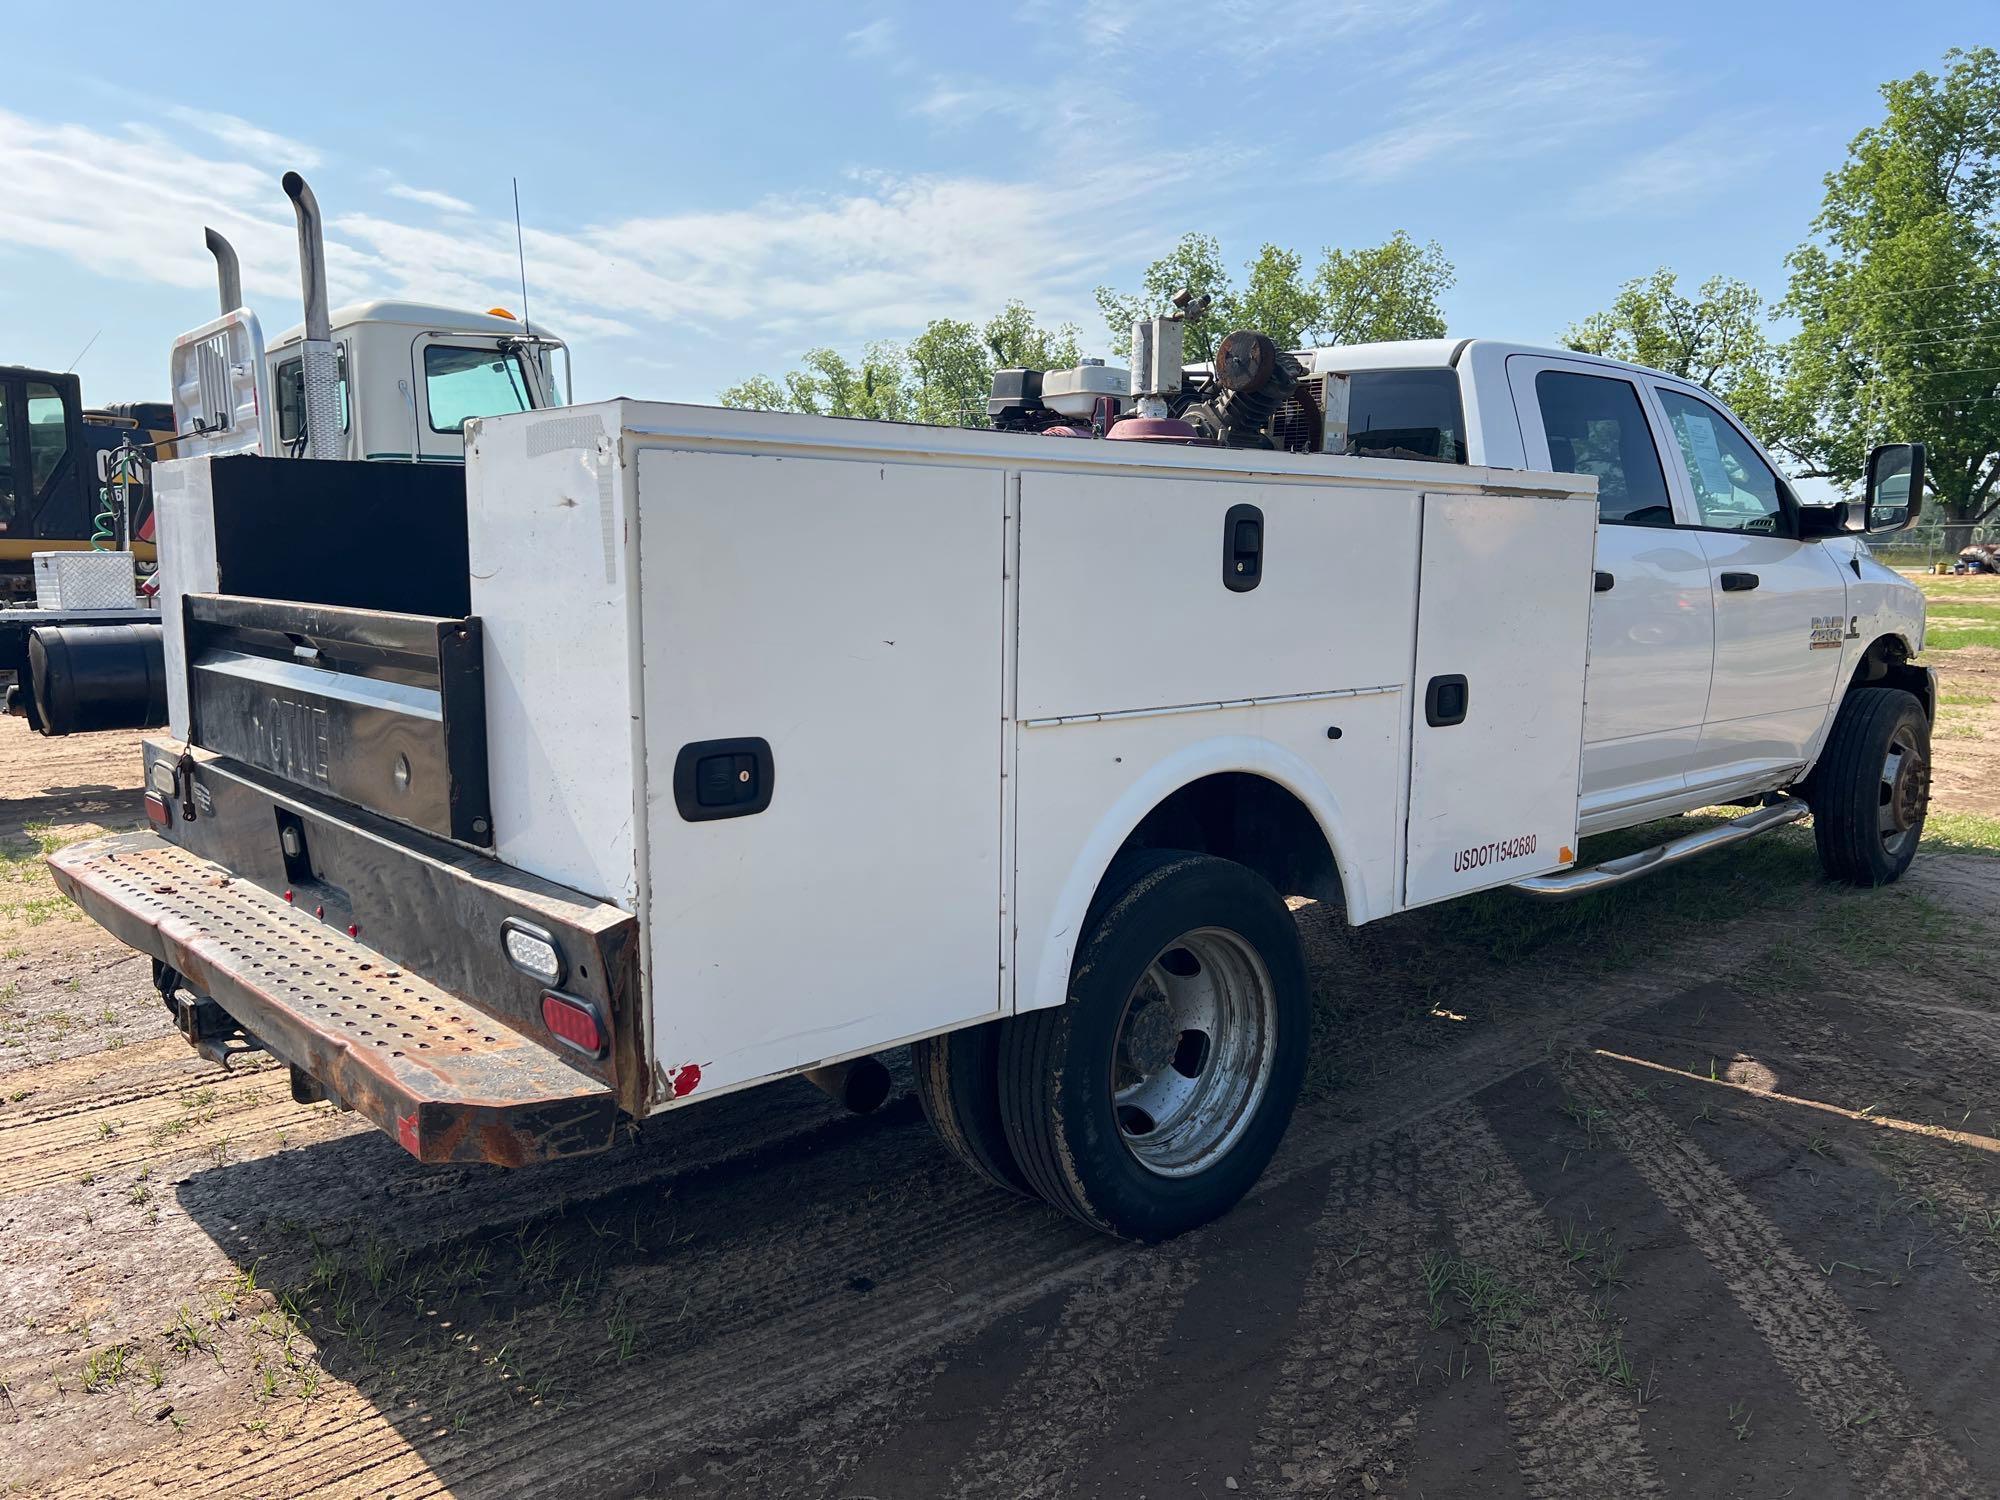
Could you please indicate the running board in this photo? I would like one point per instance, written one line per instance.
(1629, 867)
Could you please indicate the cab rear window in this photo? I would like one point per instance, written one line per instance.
(1414, 414)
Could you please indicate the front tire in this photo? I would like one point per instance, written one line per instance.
(1153, 1099)
(1870, 791)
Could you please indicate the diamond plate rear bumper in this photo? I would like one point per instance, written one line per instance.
(450, 1083)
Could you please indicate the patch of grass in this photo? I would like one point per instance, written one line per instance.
(1961, 833)
(105, 1368)
(1739, 1419)
(1946, 637)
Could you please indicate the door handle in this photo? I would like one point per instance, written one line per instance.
(1605, 583)
(1737, 583)
(1446, 701)
(1242, 548)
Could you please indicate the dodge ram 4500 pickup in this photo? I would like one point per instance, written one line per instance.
(701, 747)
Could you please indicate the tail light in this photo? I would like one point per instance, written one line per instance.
(158, 813)
(573, 1022)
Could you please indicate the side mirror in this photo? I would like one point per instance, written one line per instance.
(1895, 488)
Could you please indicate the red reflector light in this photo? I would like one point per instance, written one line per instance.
(573, 1022)
(158, 813)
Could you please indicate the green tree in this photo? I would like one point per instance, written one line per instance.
(942, 376)
(1277, 299)
(951, 374)
(826, 385)
(1195, 265)
(1018, 342)
(1389, 291)
(1717, 338)
(1898, 295)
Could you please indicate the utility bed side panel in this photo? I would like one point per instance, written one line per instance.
(1141, 672)
(551, 560)
(1503, 603)
(1135, 568)
(848, 613)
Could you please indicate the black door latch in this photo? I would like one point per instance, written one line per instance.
(1242, 548)
(1446, 700)
(1737, 583)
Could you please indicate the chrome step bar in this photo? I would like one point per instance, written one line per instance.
(1629, 867)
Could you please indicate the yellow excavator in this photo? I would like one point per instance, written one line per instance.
(53, 497)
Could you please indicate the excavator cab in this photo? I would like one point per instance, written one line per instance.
(46, 482)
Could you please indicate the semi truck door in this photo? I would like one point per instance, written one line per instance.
(1652, 629)
(1780, 604)
(458, 378)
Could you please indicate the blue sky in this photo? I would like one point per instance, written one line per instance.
(710, 190)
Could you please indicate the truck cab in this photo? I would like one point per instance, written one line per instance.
(410, 375)
(1728, 618)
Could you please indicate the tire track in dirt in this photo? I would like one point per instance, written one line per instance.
(143, 1121)
(1101, 1348)
(1850, 1388)
(1341, 1408)
(1574, 1433)
(1933, 1169)
(764, 1325)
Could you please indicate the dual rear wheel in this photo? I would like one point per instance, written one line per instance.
(1154, 1098)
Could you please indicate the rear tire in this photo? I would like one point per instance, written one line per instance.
(1871, 789)
(958, 1085)
(1153, 1099)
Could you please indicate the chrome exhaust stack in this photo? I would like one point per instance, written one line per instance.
(228, 273)
(321, 371)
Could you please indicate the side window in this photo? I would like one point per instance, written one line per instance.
(8, 500)
(290, 380)
(1734, 489)
(461, 383)
(1595, 425)
(1406, 414)
(48, 435)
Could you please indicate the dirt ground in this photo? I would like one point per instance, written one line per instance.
(1691, 1189)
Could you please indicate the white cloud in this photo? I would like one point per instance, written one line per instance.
(1690, 169)
(879, 256)
(253, 141)
(429, 197)
(876, 39)
(1509, 103)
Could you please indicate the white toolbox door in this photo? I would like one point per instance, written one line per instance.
(1503, 618)
(850, 614)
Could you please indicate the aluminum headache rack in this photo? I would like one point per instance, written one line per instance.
(448, 1081)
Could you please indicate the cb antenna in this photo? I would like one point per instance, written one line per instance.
(521, 258)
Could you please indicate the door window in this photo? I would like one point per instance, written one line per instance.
(291, 383)
(1734, 489)
(1595, 425)
(462, 383)
(8, 503)
(48, 435)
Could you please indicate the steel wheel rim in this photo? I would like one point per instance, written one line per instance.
(1192, 1057)
(1904, 792)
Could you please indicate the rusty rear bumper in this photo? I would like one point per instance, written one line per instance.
(450, 1083)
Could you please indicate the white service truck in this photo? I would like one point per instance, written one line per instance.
(731, 745)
